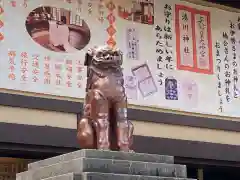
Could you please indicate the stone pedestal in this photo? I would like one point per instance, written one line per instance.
(105, 165)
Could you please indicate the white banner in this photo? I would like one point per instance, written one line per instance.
(177, 55)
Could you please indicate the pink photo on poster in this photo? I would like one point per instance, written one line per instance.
(190, 93)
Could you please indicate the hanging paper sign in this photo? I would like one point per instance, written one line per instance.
(132, 44)
(146, 82)
(171, 89)
(190, 93)
(130, 83)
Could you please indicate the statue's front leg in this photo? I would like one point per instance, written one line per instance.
(124, 126)
(100, 117)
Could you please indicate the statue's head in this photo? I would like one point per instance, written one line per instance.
(104, 56)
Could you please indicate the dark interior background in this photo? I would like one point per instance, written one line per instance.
(230, 3)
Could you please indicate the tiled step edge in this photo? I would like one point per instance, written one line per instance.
(109, 176)
(88, 153)
(105, 166)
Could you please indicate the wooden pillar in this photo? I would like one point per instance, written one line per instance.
(200, 174)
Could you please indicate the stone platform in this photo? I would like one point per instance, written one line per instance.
(105, 165)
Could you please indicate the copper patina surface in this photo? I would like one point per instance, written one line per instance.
(104, 124)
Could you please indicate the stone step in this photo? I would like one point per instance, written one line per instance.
(109, 176)
(105, 166)
(88, 153)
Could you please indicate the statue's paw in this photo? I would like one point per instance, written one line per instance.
(103, 148)
(128, 151)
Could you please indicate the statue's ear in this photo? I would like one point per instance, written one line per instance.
(88, 59)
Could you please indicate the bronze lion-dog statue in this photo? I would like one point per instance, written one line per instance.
(104, 124)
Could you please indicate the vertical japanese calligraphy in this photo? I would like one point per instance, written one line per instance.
(69, 71)
(233, 43)
(47, 70)
(79, 75)
(227, 67)
(193, 40)
(164, 37)
(12, 65)
(59, 65)
(35, 68)
(184, 38)
(24, 67)
(111, 30)
(203, 42)
(219, 70)
(132, 44)
(159, 53)
(168, 34)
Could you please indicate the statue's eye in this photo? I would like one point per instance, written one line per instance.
(115, 53)
(105, 54)
(100, 54)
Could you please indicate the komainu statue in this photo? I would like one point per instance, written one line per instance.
(104, 124)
